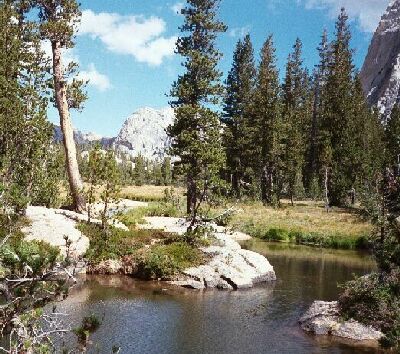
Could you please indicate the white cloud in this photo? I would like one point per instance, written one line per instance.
(100, 81)
(177, 7)
(96, 79)
(367, 12)
(137, 36)
(239, 31)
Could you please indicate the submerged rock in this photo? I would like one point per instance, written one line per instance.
(323, 318)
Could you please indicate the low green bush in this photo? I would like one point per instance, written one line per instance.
(276, 235)
(133, 217)
(37, 255)
(163, 209)
(116, 243)
(375, 301)
(165, 261)
(89, 325)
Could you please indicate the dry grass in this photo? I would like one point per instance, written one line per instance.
(139, 193)
(305, 217)
(147, 192)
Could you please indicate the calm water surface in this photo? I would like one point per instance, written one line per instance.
(144, 317)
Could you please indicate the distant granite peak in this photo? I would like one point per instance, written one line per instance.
(143, 133)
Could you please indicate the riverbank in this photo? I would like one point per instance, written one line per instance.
(306, 222)
(162, 248)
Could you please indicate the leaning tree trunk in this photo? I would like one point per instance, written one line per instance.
(60, 87)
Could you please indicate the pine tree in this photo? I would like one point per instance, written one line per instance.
(267, 127)
(25, 135)
(367, 148)
(195, 132)
(313, 163)
(296, 110)
(139, 171)
(166, 171)
(237, 110)
(58, 21)
(157, 179)
(392, 139)
(337, 129)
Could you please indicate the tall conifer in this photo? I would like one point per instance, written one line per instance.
(336, 124)
(313, 162)
(267, 126)
(296, 112)
(237, 112)
(58, 21)
(195, 132)
(392, 139)
(25, 135)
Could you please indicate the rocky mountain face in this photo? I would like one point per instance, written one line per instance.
(380, 74)
(143, 133)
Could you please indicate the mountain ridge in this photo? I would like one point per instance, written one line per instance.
(142, 133)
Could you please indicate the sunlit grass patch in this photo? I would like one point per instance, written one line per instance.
(147, 193)
(303, 223)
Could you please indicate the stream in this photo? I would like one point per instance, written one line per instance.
(152, 317)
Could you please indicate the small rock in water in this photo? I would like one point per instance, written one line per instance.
(323, 318)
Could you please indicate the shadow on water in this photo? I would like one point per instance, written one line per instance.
(145, 317)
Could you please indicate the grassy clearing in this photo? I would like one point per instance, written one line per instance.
(304, 223)
(148, 193)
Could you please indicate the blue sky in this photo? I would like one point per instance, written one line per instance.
(125, 47)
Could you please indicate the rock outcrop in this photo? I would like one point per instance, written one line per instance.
(229, 267)
(52, 227)
(323, 318)
(380, 74)
(84, 140)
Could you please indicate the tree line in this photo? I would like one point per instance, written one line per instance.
(311, 135)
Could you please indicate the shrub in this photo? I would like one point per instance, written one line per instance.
(117, 243)
(136, 216)
(199, 236)
(37, 255)
(375, 301)
(165, 261)
(89, 325)
(133, 217)
(276, 234)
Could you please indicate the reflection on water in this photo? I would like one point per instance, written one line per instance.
(144, 317)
